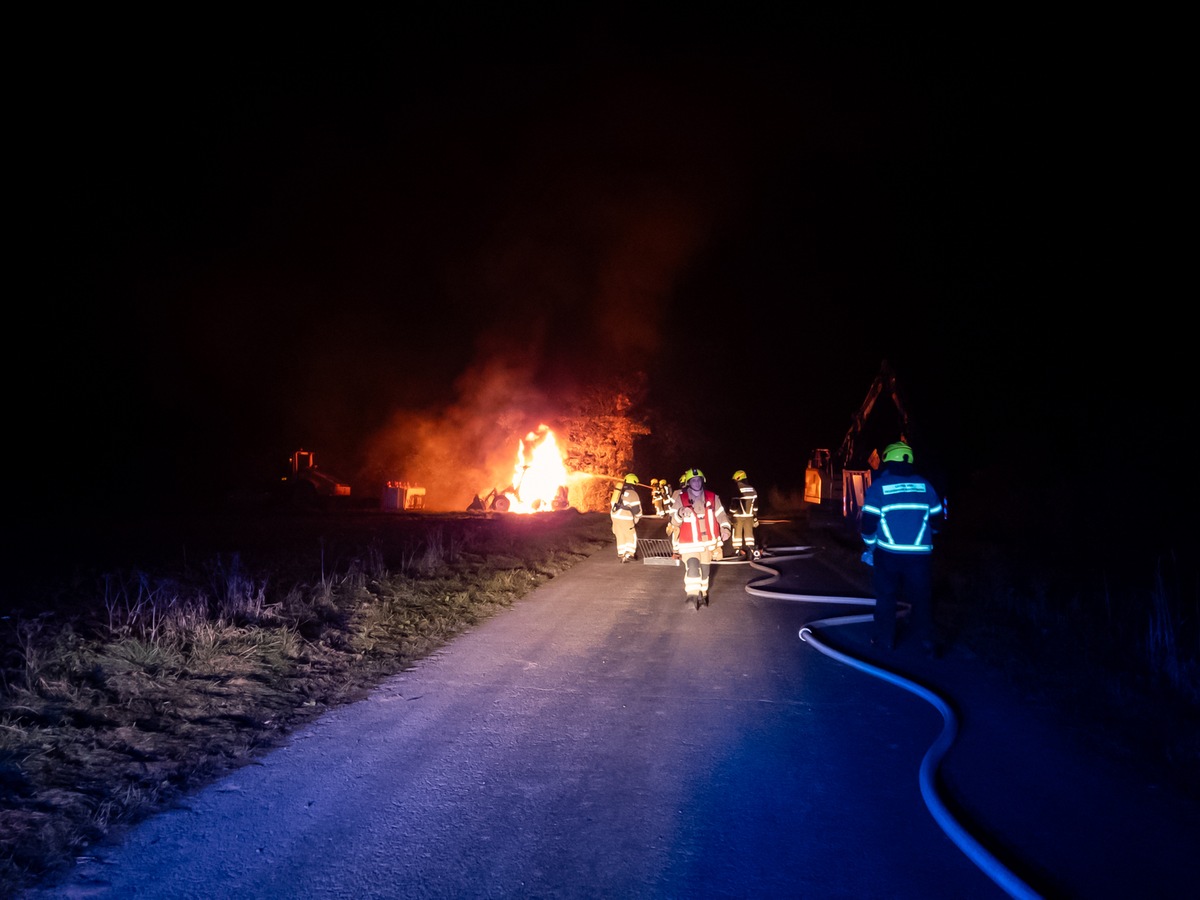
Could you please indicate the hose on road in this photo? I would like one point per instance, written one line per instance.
(967, 843)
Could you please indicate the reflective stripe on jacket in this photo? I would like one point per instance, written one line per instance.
(746, 503)
(901, 513)
(702, 530)
(626, 504)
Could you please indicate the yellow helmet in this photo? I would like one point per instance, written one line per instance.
(653, 481)
(739, 475)
(631, 479)
(689, 475)
(898, 452)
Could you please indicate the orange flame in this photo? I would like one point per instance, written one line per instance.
(540, 477)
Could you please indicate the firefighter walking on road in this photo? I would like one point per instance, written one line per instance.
(744, 507)
(901, 513)
(626, 512)
(701, 526)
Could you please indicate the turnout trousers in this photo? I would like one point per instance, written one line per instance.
(902, 579)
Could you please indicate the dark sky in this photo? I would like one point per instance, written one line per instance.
(244, 239)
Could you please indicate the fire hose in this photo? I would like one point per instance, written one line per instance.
(967, 843)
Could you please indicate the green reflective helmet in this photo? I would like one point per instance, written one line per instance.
(898, 452)
(689, 475)
(631, 479)
(739, 475)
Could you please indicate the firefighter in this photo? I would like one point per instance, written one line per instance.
(901, 514)
(626, 512)
(668, 509)
(664, 494)
(701, 526)
(656, 497)
(745, 517)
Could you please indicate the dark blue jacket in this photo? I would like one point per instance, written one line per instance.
(901, 511)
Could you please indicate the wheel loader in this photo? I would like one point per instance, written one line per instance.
(307, 487)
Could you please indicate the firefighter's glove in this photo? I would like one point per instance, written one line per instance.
(755, 523)
(724, 534)
(869, 557)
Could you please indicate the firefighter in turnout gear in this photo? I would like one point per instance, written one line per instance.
(664, 495)
(745, 517)
(656, 498)
(701, 526)
(668, 509)
(626, 512)
(901, 513)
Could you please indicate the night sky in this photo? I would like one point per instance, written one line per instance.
(245, 239)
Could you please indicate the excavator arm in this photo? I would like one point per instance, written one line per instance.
(884, 385)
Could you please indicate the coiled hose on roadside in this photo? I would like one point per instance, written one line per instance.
(967, 843)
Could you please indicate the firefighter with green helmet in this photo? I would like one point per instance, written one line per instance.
(901, 514)
(701, 526)
(744, 507)
(625, 512)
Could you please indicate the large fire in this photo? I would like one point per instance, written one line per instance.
(539, 481)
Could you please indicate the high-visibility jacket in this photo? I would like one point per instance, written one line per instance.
(901, 512)
(702, 529)
(745, 504)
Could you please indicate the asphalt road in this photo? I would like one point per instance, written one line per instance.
(604, 739)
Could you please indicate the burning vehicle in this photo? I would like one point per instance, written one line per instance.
(487, 454)
(541, 480)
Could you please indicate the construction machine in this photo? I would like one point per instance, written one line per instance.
(307, 487)
(872, 425)
(890, 422)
